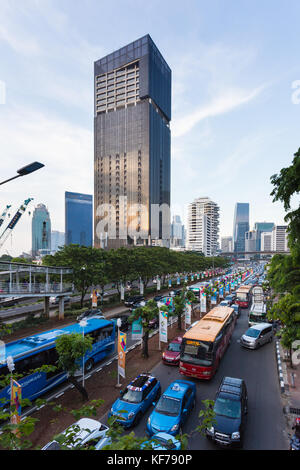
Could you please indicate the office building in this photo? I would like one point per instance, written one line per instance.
(226, 244)
(240, 226)
(57, 240)
(177, 232)
(41, 230)
(78, 219)
(251, 240)
(266, 241)
(203, 226)
(279, 240)
(132, 147)
(261, 227)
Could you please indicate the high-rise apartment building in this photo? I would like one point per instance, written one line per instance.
(279, 240)
(203, 226)
(240, 226)
(41, 230)
(132, 146)
(226, 244)
(78, 219)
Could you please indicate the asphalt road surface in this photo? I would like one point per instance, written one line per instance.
(265, 420)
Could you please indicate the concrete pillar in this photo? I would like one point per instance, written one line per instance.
(46, 306)
(61, 308)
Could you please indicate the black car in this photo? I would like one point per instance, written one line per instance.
(90, 313)
(138, 304)
(231, 407)
(157, 298)
(133, 300)
(124, 322)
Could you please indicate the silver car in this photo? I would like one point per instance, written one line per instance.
(257, 335)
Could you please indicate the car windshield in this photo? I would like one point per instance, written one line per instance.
(197, 352)
(168, 406)
(227, 407)
(132, 396)
(252, 333)
(174, 347)
(167, 443)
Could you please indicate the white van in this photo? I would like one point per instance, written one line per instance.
(257, 335)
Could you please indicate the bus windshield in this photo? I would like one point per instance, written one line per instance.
(197, 352)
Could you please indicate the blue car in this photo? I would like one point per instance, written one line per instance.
(162, 441)
(172, 409)
(137, 397)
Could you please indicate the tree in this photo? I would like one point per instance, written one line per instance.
(146, 314)
(87, 263)
(71, 349)
(286, 185)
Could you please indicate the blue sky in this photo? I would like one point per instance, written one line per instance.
(234, 123)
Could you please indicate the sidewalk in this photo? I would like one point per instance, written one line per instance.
(291, 394)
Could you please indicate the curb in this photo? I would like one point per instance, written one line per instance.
(279, 366)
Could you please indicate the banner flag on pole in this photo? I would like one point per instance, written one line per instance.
(122, 337)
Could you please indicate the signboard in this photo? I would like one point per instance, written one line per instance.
(188, 314)
(141, 288)
(122, 292)
(163, 326)
(94, 299)
(158, 284)
(203, 303)
(15, 402)
(137, 329)
(170, 282)
(221, 292)
(121, 353)
(213, 299)
(178, 281)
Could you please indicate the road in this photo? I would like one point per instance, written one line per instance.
(265, 421)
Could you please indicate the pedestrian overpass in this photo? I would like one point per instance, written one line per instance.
(33, 280)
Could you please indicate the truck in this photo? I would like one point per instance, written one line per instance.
(258, 309)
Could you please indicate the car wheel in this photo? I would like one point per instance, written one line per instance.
(89, 365)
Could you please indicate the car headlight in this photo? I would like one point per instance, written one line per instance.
(175, 427)
(235, 435)
(211, 430)
(149, 421)
(130, 415)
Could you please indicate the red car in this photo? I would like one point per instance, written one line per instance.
(171, 356)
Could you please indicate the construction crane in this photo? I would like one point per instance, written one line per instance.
(2, 218)
(8, 230)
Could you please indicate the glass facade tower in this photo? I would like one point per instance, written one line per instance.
(41, 229)
(132, 146)
(78, 219)
(240, 225)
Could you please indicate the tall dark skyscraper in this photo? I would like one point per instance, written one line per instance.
(240, 225)
(78, 219)
(132, 146)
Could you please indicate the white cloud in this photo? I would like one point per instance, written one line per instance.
(224, 103)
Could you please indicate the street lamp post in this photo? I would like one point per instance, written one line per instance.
(83, 324)
(25, 171)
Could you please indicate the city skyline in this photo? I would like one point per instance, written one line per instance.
(228, 136)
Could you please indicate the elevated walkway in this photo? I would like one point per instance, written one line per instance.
(32, 280)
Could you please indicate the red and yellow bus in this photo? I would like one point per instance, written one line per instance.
(243, 296)
(204, 344)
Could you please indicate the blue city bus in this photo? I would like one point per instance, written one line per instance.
(34, 351)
